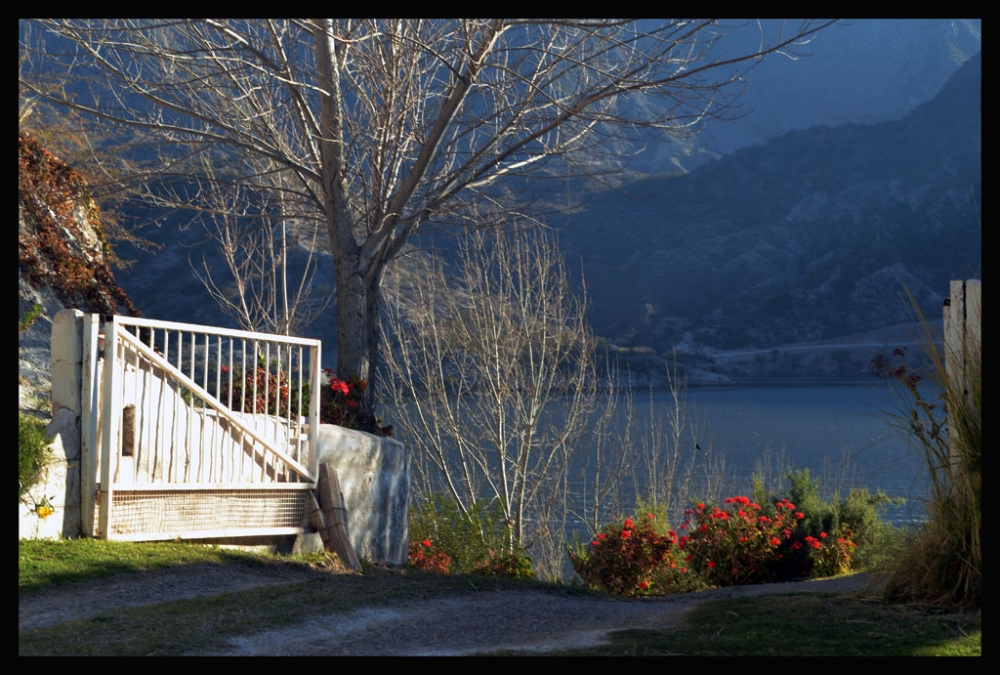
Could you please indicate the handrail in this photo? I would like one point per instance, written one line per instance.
(228, 332)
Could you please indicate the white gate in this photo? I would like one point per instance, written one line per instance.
(198, 431)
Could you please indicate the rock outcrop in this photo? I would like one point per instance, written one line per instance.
(63, 259)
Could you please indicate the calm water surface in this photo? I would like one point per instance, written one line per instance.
(839, 431)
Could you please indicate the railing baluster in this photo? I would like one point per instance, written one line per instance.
(190, 409)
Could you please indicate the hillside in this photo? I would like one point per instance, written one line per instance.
(807, 237)
(62, 258)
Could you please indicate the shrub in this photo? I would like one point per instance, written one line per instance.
(859, 515)
(33, 452)
(477, 541)
(425, 556)
(342, 402)
(515, 565)
(627, 559)
(745, 543)
(738, 543)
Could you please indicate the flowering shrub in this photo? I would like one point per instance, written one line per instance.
(342, 402)
(259, 391)
(741, 543)
(737, 543)
(831, 555)
(626, 559)
(423, 556)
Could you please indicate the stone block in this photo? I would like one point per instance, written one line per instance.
(374, 475)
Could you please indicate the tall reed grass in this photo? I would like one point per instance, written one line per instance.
(943, 562)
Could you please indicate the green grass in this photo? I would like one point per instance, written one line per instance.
(788, 625)
(804, 625)
(42, 563)
(204, 624)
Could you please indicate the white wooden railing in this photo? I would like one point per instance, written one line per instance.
(189, 408)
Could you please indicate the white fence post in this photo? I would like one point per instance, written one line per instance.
(111, 404)
(90, 407)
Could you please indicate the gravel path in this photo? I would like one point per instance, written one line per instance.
(487, 621)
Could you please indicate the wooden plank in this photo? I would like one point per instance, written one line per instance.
(317, 520)
(335, 516)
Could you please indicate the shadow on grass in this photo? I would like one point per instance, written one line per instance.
(804, 625)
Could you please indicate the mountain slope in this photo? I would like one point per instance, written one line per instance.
(803, 238)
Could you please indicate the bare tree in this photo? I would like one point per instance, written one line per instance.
(270, 258)
(493, 379)
(383, 125)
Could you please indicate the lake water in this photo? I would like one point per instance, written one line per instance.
(830, 428)
(837, 430)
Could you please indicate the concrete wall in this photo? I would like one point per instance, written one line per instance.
(374, 475)
(61, 481)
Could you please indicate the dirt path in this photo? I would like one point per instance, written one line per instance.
(487, 621)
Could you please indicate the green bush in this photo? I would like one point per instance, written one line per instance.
(859, 516)
(478, 542)
(33, 453)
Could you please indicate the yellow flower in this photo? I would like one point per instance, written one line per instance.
(44, 511)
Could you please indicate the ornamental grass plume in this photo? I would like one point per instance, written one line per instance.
(943, 562)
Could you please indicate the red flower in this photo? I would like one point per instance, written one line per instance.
(711, 564)
(822, 535)
(775, 541)
(600, 535)
(799, 515)
(626, 534)
(650, 516)
(629, 524)
(426, 542)
(643, 585)
(338, 385)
